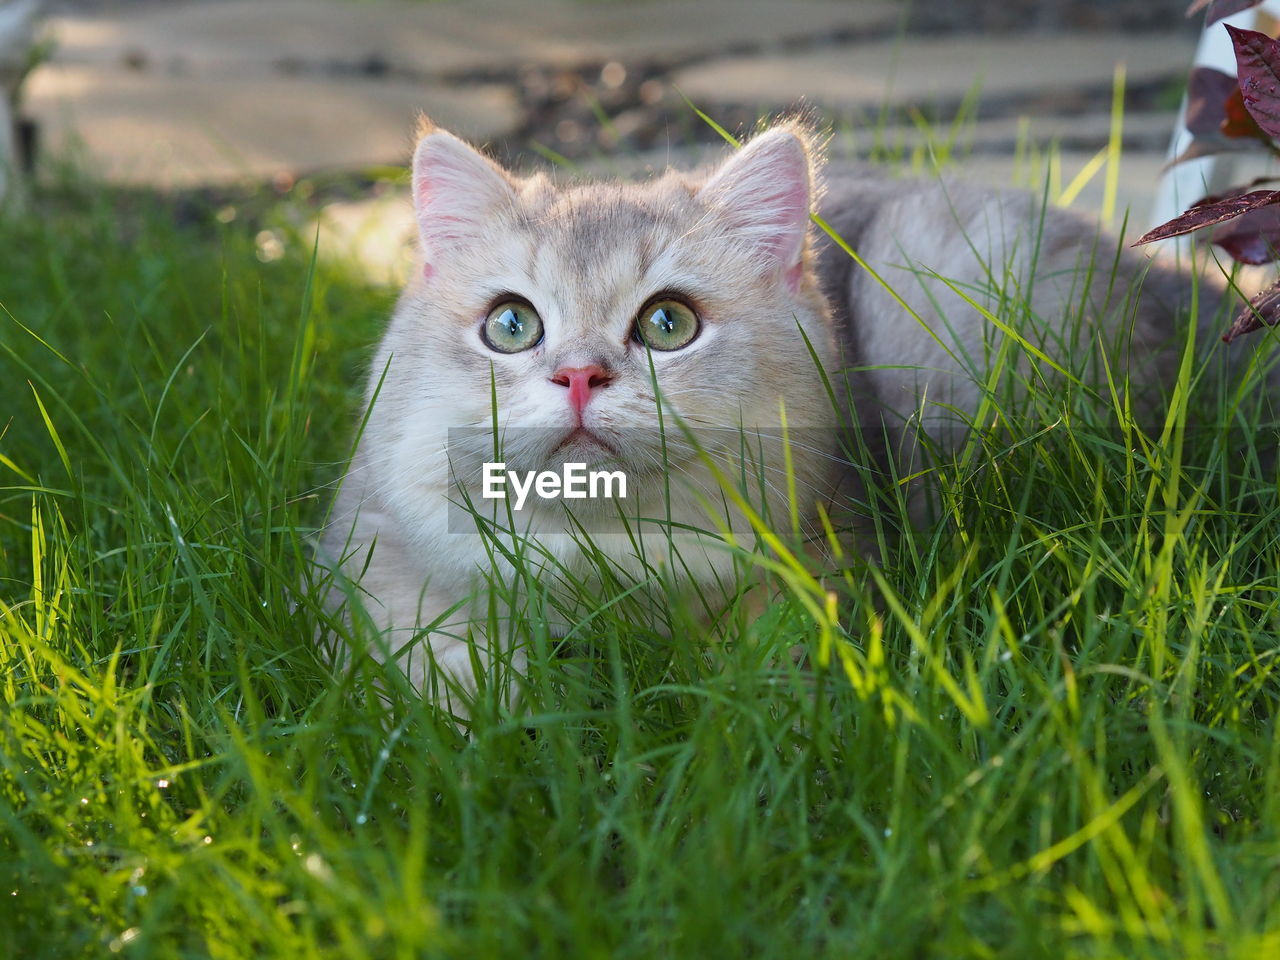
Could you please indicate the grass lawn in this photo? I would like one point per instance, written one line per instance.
(1047, 728)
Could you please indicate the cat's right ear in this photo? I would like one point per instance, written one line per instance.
(455, 191)
(763, 194)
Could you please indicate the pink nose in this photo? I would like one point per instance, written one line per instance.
(581, 381)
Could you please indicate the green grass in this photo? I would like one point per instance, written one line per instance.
(1047, 728)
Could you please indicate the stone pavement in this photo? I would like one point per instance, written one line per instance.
(190, 93)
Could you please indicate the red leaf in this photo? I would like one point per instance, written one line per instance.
(1263, 311)
(1258, 69)
(1238, 122)
(1220, 8)
(1251, 238)
(1234, 191)
(1207, 214)
(1207, 93)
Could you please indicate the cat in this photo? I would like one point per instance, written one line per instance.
(568, 318)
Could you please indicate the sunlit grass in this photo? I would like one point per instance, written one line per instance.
(1043, 726)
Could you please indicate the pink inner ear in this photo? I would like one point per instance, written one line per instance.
(791, 208)
(764, 193)
(438, 218)
(455, 191)
(794, 204)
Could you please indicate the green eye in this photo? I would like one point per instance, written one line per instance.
(667, 325)
(512, 326)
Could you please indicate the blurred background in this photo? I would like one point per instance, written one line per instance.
(215, 100)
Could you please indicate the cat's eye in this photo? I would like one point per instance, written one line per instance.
(667, 325)
(512, 326)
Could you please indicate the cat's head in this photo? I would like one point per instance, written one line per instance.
(569, 302)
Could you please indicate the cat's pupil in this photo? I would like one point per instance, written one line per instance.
(512, 322)
(663, 319)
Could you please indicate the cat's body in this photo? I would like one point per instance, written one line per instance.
(591, 265)
(914, 336)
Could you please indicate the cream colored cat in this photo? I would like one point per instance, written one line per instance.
(548, 313)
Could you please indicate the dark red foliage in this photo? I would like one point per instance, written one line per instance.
(1258, 70)
(1220, 8)
(1237, 121)
(1251, 238)
(1207, 93)
(1262, 311)
(1206, 214)
(1226, 114)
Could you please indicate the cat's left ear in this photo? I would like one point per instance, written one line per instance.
(764, 191)
(455, 191)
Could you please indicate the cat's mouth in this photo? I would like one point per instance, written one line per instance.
(584, 439)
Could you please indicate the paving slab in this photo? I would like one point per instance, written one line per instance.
(170, 131)
(195, 92)
(925, 70)
(205, 92)
(450, 36)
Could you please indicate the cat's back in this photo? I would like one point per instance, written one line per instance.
(931, 220)
(942, 255)
(923, 245)
(924, 237)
